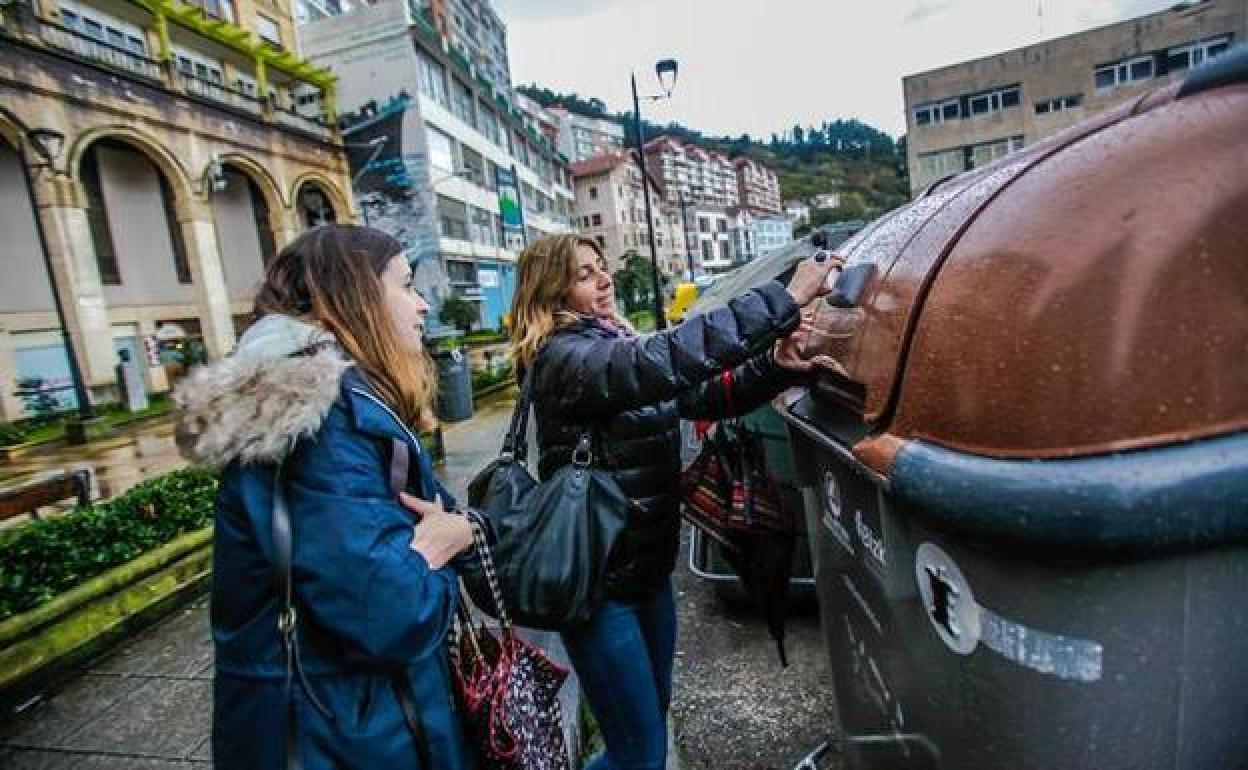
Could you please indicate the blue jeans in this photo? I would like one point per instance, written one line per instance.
(623, 658)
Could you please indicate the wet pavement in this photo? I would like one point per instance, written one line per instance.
(733, 705)
(147, 706)
(136, 452)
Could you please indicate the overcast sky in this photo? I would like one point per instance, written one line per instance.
(763, 65)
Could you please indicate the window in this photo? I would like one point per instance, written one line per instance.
(937, 165)
(1058, 104)
(1121, 73)
(1192, 54)
(460, 271)
(704, 225)
(487, 123)
(268, 30)
(723, 250)
(483, 230)
(983, 154)
(181, 266)
(491, 175)
(474, 164)
(723, 225)
(593, 193)
(1009, 98)
(453, 217)
(602, 242)
(585, 222)
(441, 149)
(463, 102)
(980, 105)
(431, 78)
(597, 220)
(707, 254)
(97, 221)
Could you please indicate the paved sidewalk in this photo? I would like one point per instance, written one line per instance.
(147, 706)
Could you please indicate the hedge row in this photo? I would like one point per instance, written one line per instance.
(48, 557)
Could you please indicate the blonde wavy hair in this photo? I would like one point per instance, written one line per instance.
(547, 269)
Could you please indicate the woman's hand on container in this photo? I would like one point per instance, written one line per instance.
(810, 280)
(789, 351)
(440, 536)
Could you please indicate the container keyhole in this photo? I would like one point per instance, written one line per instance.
(945, 596)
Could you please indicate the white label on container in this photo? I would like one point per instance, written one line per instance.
(1061, 656)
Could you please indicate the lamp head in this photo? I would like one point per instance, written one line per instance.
(666, 70)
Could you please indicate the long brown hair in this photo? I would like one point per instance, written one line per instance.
(332, 274)
(547, 269)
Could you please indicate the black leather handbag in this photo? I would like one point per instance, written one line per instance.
(552, 538)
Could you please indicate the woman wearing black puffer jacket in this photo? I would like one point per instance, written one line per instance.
(591, 370)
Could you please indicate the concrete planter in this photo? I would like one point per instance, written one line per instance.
(44, 644)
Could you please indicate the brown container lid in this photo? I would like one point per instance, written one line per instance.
(1086, 295)
(907, 248)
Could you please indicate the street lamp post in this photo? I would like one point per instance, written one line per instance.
(665, 70)
(48, 144)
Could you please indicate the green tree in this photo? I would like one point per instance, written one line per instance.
(634, 284)
(459, 312)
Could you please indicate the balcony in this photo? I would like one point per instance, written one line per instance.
(207, 89)
(100, 52)
(37, 33)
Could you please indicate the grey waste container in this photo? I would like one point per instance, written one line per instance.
(454, 385)
(1028, 491)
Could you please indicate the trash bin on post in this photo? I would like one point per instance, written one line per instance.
(1028, 497)
(454, 384)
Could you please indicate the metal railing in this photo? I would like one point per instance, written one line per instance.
(100, 51)
(296, 120)
(218, 92)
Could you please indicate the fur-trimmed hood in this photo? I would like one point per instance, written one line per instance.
(277, 386)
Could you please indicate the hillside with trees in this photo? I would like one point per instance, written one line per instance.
(864, 165)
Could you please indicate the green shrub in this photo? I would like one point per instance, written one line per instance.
(12, 433)
(48, 557)
(484, 379)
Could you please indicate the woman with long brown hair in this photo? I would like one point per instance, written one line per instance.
(331, 599)
(592, 373)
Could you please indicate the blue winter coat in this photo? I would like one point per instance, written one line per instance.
(369, 606)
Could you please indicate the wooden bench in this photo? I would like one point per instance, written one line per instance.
(27, 497)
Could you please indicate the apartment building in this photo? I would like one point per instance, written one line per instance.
(797, 212)
(581, 137)
(758, 186)
(473, 29)
(155, 154)
(545, 121)
(966, 115)
(700, 176)
(611, 210)
(757, 233)
(709, 236)
(442, 158)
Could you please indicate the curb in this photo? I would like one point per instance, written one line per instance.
(40, 648)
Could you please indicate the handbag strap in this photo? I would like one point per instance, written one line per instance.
(400, 465)
(491, 573)
(515, 443)
(288, 617)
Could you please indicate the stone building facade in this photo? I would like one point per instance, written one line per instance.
(154, 155)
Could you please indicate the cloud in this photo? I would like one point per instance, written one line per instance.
(926, 9)
(546, 10)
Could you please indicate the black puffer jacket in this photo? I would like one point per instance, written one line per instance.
(632, 392)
